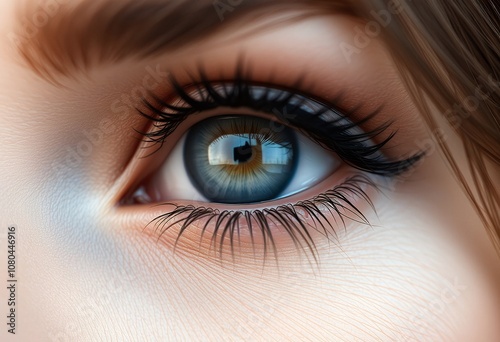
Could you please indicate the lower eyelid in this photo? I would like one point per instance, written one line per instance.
(272, 237)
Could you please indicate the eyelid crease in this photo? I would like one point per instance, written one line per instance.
(336, 202)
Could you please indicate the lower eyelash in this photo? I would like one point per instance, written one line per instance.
(335, 202)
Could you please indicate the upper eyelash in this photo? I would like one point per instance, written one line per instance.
(335, 135)
(335, 201)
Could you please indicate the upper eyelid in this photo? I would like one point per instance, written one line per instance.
(186, 95)
(336, 135)
(200, 89)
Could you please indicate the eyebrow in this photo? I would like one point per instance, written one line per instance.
(69, 38)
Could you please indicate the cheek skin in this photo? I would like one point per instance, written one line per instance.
(407, 276)
(402, 277)
(418, 273)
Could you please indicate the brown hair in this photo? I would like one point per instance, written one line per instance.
(454, 48)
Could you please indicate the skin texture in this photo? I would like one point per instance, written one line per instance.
(88, 270)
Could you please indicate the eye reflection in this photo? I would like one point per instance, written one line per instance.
(240, 159)
(248, 148)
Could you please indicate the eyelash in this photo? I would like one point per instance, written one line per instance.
(334, 135)
(334, 201)
(331, 135)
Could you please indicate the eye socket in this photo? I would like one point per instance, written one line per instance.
(223, 160)
(241, 159)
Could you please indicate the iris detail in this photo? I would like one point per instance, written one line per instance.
(240, 159)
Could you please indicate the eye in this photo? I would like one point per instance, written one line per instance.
(248, 150)
(241, 159)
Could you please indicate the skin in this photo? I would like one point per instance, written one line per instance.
(88, 270)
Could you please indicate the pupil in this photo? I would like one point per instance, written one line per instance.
(242, 154)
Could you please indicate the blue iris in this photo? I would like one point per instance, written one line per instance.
(240, 159)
